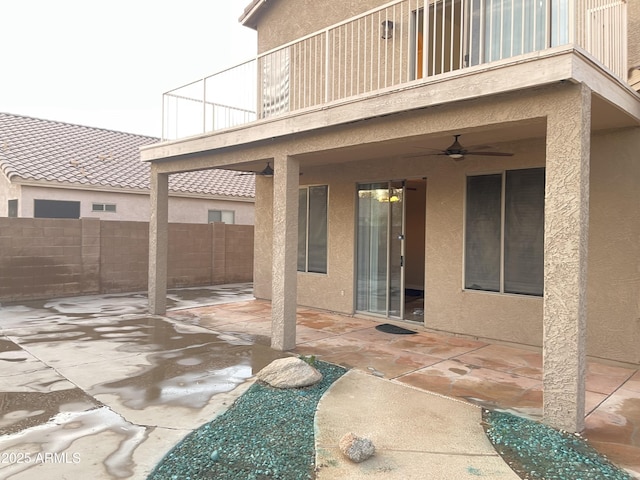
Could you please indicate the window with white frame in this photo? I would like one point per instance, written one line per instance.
(12, 208)
(103, 207)
(224, 216)
(504, 232)
(312, 229)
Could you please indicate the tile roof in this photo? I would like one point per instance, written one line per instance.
(49, 151)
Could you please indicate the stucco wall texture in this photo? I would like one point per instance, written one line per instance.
(304, 17)
(45, 258)
(129, 206)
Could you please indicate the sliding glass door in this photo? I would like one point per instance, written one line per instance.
(380, 249)
(505, 28)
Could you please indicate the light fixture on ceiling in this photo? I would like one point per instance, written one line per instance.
(265, 172)
(387, 29)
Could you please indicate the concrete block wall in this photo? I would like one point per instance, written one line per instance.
(189, 255)
(40, 255)
(238, 241)
(124, 261)
(47, 258)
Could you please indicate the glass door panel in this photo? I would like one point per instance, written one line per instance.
(396, 250)
(380, 283)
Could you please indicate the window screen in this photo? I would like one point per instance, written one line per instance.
(224, 216)
(524, 232)
(312, 229)
(504, 232)
(482, 227)
(12, 208)
(56, 209)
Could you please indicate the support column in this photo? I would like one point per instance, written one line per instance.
(158, 242)
(285, 253)
(565, 260)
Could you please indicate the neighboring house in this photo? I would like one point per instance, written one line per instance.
(52, 169)
(532, 237)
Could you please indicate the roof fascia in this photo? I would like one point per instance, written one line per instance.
(140, 191)
(251, 12)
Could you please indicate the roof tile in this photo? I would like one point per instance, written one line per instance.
(36, 149)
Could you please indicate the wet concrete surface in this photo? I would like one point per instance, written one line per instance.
(94, 387)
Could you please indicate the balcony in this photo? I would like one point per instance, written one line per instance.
(403, 43)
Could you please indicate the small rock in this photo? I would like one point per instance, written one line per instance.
(357, 449)
(289, 372)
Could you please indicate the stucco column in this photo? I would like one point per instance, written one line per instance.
(158, 242)
(285, 253)
(565, 260)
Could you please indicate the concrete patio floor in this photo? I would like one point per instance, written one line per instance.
(491, 375)
(111, 389)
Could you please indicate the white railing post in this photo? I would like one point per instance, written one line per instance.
(204, 105)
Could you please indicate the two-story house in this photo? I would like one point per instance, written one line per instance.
(472, 165)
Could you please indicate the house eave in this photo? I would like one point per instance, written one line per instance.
(122, 190)
(249, 16)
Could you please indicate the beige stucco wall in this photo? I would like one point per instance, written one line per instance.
(304, 17)
(614, 250)
(134, 207)
(8, 192)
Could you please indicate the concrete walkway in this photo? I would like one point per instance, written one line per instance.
(417, 435)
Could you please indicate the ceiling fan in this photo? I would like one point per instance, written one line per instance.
(266, 171)
(458, 152)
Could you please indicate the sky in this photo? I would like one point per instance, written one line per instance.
(106, 63)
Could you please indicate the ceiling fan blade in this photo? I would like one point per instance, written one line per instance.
(427, 148)
(424, 155)
(479, 147)
(490, 154)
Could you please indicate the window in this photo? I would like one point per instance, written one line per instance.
(224, 216)
(312, 229)
(504, 232)
(103, 207)
(12, 208)
(56, 209)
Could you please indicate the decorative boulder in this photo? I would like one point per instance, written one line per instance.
(289, 372)
(357, 449)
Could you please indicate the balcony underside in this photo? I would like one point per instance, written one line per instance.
(615, 105)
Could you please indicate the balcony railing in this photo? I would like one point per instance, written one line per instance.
(401, 42)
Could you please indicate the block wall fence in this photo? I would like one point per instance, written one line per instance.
(47, 258)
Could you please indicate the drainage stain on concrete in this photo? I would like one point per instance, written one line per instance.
(22, 410)
(35, 446)
(179, 365)
(89, 379)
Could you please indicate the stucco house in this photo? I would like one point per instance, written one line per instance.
(52, 169)
(469, 165)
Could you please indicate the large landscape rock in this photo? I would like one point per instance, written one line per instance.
(357, 449)
(289, 372)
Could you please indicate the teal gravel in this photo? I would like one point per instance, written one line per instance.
(268, 433)
(539, 452)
